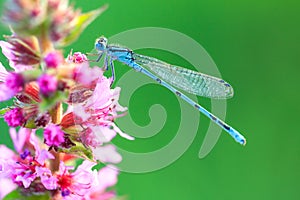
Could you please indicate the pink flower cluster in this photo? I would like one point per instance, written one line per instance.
(71, 103)
(29, 169)
(89, 120)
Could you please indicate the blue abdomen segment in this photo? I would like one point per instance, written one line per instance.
(128, 60)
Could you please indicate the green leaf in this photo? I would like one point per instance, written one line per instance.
(80, 151)
(16, 195)
(48, 103)
(81, 22)
(30, 124)
(3, 111)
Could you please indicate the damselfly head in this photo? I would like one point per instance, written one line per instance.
(101, 43)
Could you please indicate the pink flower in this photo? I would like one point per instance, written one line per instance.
(21, 138)
(77, 57)
(103, 134)
(53, 59)
(24, 170)
(88, 138)
(43, 84)
(95, 136)
(47, 84)
(97, 114)
(6, 183)
(100, 110)
(62, 20)
(41, 155)
(14, 117)
(5, 92)
(102, 95)
(107, 154)
(106, 177)
(49, 181)
(25, 16)
(15, 82)
(6, 153)
(7, 186)
(21, 53)
(85, 75)
(53, 135)
(8, 90)
(75, 185)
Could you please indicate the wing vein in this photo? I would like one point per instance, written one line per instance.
(190, 81)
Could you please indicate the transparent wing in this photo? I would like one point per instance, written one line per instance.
(185, 79)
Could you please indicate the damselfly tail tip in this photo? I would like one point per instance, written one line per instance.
(243, 142)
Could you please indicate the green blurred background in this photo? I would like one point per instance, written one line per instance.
(255, 45)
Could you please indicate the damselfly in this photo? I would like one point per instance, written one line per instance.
(169, 75)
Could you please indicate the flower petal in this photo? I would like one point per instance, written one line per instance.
(47, 179)
(79, 110)
(20, 138)
(7, 50)
(121, 133)
(7, 186)
(107, 154)
(6, 153)
(8, 53)
(3, 73)
(85, 75)
(103, 133)
(107, 177)
(5, 92)
(101, 95)
(43, 155)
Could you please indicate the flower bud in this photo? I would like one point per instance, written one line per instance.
(47, 84)
(62, 19)
(21, 52)
(14, 117)
(77, 57)
(53, 59)
(25, 16)
(15, 82)
(53, 135)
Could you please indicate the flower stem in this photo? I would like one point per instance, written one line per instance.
(54, 163)
(45, 44)
(56, 115)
